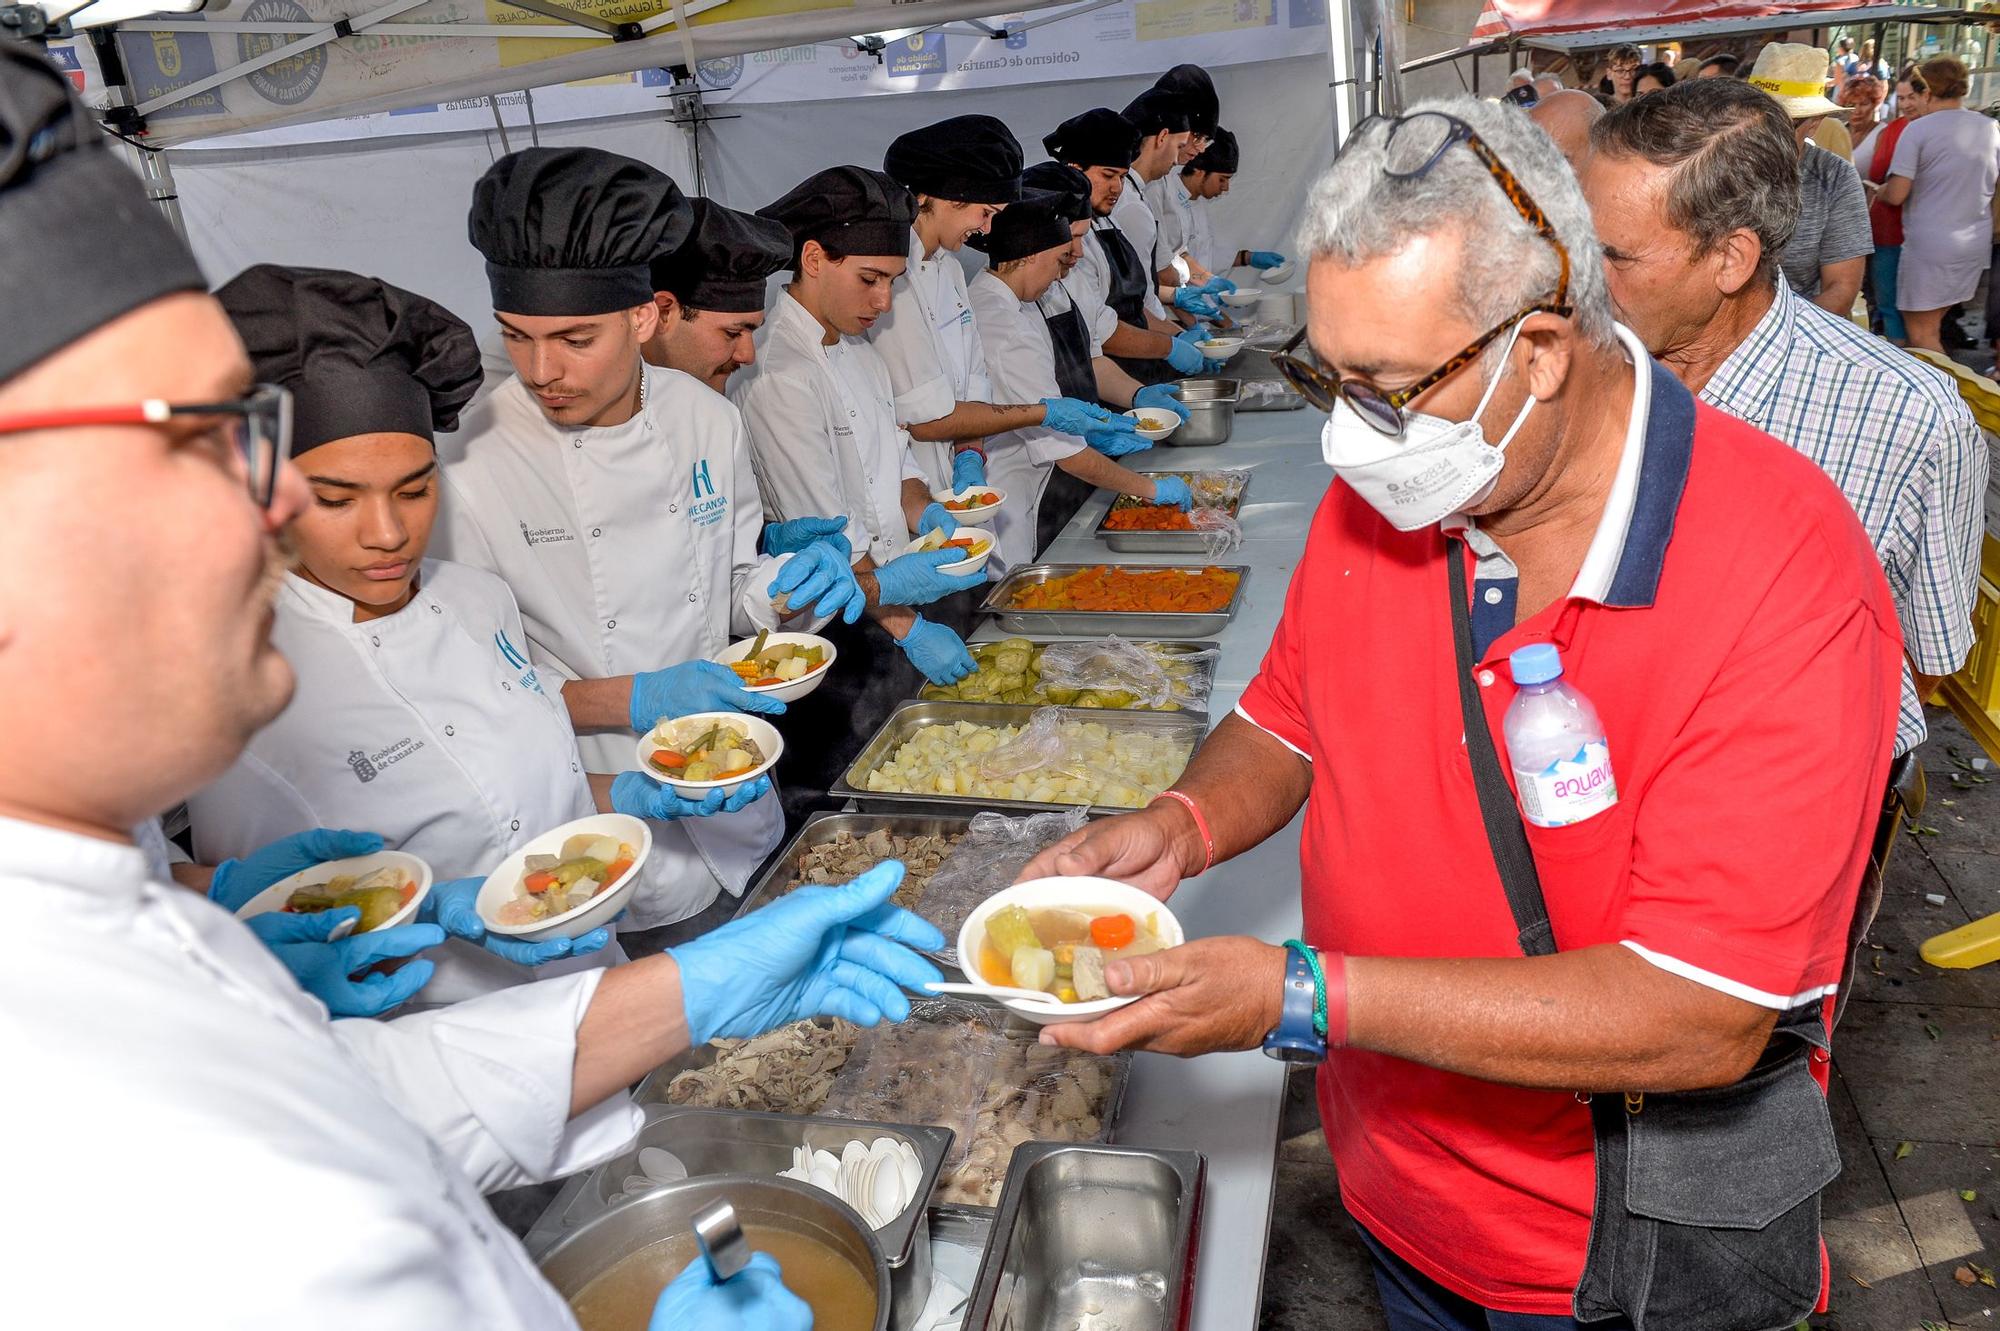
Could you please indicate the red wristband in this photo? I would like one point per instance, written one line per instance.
(969, 446)
(1333, 966)
(1200, 823)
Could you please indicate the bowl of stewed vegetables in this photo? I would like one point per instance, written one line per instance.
(1057, 935)
(709, 751)
(785, 666)
(386, 888)
(567, 881)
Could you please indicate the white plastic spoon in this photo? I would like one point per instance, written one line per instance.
(1035, 996)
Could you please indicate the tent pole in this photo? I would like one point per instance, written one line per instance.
(158, 176)
(1344, 65)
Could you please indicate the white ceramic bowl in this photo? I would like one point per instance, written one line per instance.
(792, 690)
(1220, 348)
(274, 897)
(1242, 296)
(972, 517)
(1155, 423)
(1281, 273)
(972, 564)
(504, 883)
(1100, 894)
(761, 732)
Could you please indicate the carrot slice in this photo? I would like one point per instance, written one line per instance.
(1113, 931)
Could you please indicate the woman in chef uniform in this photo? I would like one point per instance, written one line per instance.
(417, 714)
(1027, 247)
(616, 499)
(963, 171)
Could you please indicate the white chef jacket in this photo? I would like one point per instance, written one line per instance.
(1021, 357)
(930, 342)
(294, 1172)
(823, 431)
(630, 548)
(429, 726)
(1170, 201)
(1135, 219)
(1201, 238)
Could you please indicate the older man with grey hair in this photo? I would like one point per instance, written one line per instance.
(1522, 495)
(1689, 190)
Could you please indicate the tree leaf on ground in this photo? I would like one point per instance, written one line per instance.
(1963, 1275)
(1968, 1195)
(1859, 1281)
(1903, 1149)
(1985, 1274)
(1933, 1030)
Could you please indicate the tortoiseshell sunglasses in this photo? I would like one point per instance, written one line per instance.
(1416, 143)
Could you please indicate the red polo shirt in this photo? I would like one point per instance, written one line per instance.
(1745, 659)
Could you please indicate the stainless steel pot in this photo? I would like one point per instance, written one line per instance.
(772, 1203)
(1211, 407)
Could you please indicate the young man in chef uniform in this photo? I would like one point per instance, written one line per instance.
(710, 291)
(616, 498)
(299, 1173)
(417, 714)
(1026, 248)
(1163, 121)
(821, 413)
(963, 171)
(1111, 283)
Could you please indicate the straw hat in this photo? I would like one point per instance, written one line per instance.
(1795, 76)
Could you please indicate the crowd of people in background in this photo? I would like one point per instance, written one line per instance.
(1896, 222)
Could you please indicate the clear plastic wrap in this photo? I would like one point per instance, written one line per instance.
(1220, 532)
(1217, 489)
(1264, 390)
(992, 854)
(1111, 672)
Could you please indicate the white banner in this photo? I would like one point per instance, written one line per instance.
(1129, 38)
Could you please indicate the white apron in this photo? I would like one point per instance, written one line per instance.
(630, 548)
(297, 1173)
(823, 431)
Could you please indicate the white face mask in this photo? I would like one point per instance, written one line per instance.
(1435, 469)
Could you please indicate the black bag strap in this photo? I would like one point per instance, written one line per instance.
(1511, 855)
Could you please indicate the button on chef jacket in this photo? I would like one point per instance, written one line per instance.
(930, 342)
(430, 726)
(822, 425)
(1021, 358)
(298, 1173)
(1132, 216)
(629, 548)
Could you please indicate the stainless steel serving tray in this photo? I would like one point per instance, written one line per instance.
(826, 826)
(1091, 1235)
(1201, 681)
(1098, 623)
(1161, 542)
(910, 717)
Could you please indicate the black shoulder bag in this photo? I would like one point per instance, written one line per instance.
(1706, 1216)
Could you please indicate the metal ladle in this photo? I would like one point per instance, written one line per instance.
(720, 1236)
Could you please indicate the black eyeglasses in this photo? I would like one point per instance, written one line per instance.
(259, 425)
(1415, 144)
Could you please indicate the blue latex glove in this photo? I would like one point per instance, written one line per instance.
(816, 952)
(914, 579)
(937, 651)
(325, 970)
(936, 517)
(1173, 490)
(968, 468)
(693, 686)
(1262, 259)
(1067, 415)
(820, 575)
(754, 1299)
(788, 538)
(640, 796)
(450, 906)
(1216, 286)
(1194, 301)
(1185, 356)
(1116, 437)
(1166, 397)
(236, 881)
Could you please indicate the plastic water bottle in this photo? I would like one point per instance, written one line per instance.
(1561, 759)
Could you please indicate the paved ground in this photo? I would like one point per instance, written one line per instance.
(1915, 1214)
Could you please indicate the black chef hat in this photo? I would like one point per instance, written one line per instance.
(360, 356)
(1098, 137)
(1155, 110)
(573, 231)
(1221, 154)
(1193, 86)
(849, 210)
(80, 244)
(723, 265)
(1034, 224)
(966, 159)
(1066, 189)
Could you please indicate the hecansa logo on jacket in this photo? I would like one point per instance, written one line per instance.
(709, 507)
